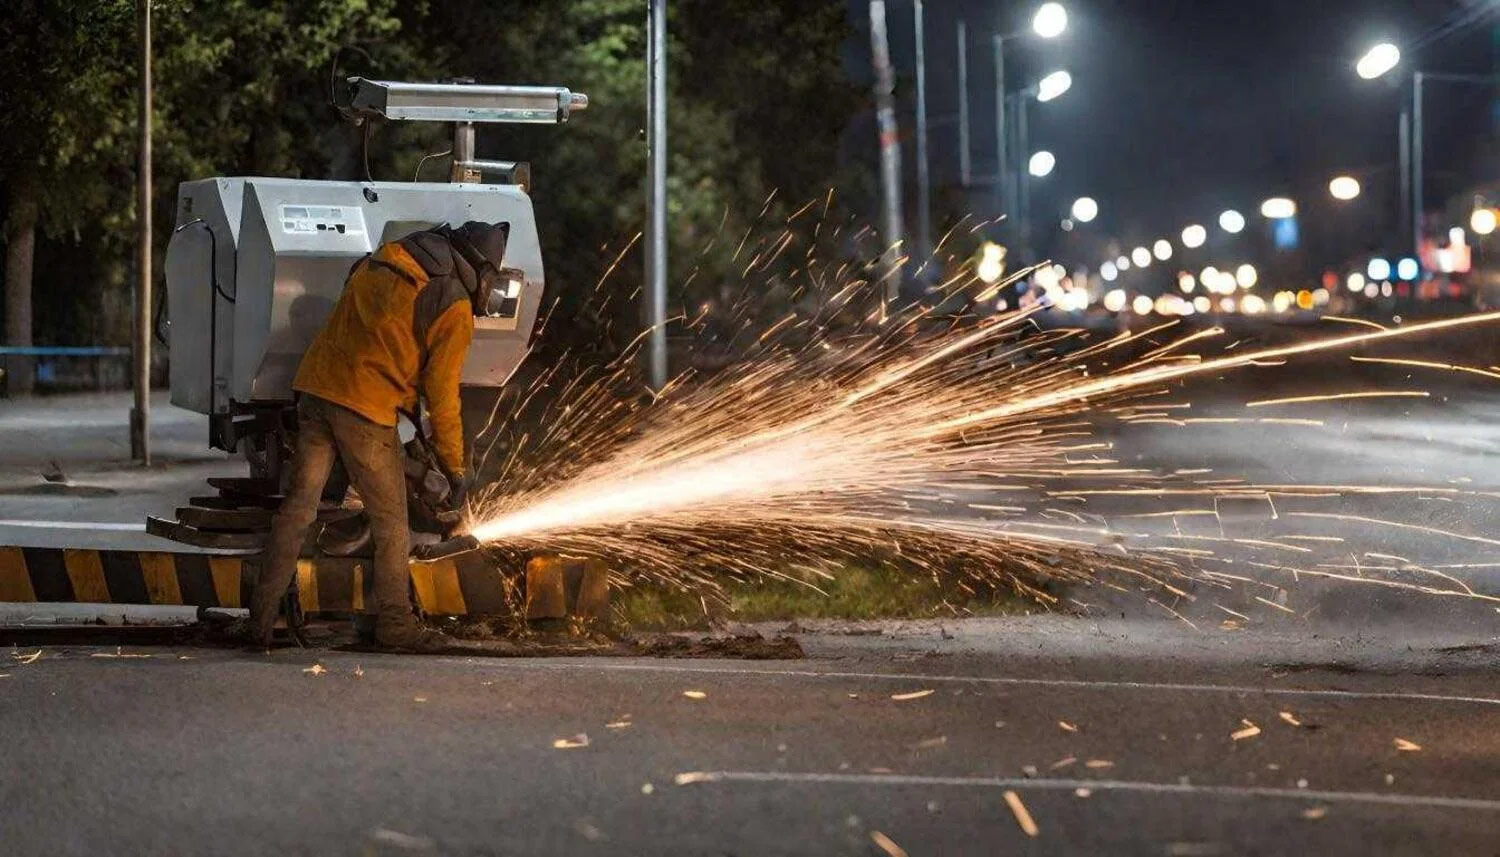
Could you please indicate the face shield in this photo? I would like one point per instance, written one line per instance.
(499, 292)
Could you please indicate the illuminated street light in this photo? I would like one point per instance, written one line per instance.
(1108, 271)
(1482, 221)
(1231, 221)
(1053, 85)
(1356, 281)
(1278, 208)
(1408, 269)
(1378, 60)
(1246, 276)
(1194, 236)
(1141, 257)
(1123, 263)
(1041, 164)
(1162, 249)
(1085, 209)
(1186, 282)
(1050, 20)
(1378, 269)
(1344, 188)
(1142, 305)
(1114, 300)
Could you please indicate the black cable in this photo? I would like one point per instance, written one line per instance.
(364, 152)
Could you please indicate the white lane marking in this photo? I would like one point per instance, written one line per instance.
(1006, 680)
(1096, 785)
(75, 525)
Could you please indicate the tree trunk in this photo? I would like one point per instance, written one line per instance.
(20, 248)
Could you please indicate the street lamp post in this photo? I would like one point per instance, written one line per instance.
(924, 189)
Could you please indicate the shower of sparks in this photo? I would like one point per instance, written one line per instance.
(969, 450)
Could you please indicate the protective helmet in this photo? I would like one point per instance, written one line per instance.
(482, 245)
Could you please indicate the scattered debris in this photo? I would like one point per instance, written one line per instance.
(885, 844)
(1023, 818)
(1390, 779)
(588, 830)
(1313, 813)
(854, 696)
(27, 659)
(916, 694)
(929, 743)
(750, 647)
(622, 723)
(404, 841)
(695, 694)
(1063, 763)
(1082, 792)
(691, 777)
(1098, 764)
(999, 724)
(1406, 746)
(117, 653)
(315, 669)
(1029, 770)
(1249, 731)
(419, 699)
(1066, 726)
(184, 657)
(1289, 717)
(579, 740)
(359, 671)
(1302, 783)
(647, 788)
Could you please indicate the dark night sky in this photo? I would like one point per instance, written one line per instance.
(1181, 108)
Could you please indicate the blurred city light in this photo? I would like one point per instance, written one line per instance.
(1356, 282)
(991, 263)
(1050, 20)
(1253, 305)
(1140, 257)
(1109, 272)
(1321, 297)
(1278, 208)
(1186, 282)
(1123, 263)
(1304, 299)
(1246, 276)
(1202, 304)
(1142, 305)
(1378, 60)
(1209, 277)
(1114, 300)
(1372, 290)
(1344, 187)
(1194, 236)
(1041, 164)
(1162, 249)
(1231, 221)
(1482, 221)
(1281, 302)
(1378, 269)
(1407, 269)
(1053, 85)
(1385, 290)
(1085, 209)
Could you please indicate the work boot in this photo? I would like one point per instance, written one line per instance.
(405, 633)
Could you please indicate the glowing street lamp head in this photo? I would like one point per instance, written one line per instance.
(1194, 236)
(1378, 60)
(1232, 221)
(1053, 85)
(1344, 188)
(1041, 164)
(1483, 221)
(1245, 276)
(1162, 249)
(1085, 209)
(1050, 20)
(1278, 208)
(1140, 257)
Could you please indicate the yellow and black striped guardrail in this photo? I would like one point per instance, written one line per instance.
(454, 586)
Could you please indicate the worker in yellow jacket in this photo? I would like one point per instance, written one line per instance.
(400, 331)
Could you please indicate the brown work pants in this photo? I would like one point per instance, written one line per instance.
(372, 454)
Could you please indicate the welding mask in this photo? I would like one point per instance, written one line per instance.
(497, 289)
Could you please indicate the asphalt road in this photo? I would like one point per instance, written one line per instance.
(1115, 739)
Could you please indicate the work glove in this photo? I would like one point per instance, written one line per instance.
(459, 485)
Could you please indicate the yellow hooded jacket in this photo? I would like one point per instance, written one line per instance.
(398, 330)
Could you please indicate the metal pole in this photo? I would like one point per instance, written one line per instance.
(965, 167)
(656, 194)
(1403, 212)
(1023, 172)
(140, 415)
(1002, 173)
(1417, 166)
(924, 189)
(890, 150)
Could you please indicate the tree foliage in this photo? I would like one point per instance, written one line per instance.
(757, 101)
